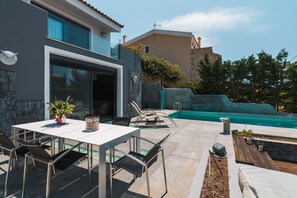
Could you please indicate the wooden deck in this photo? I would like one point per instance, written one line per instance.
(286, 167)
(249, 154)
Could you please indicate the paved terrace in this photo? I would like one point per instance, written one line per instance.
(183, 151)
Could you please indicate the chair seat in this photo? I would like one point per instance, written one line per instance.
(130, 165)
(22, 151)
(68, 159)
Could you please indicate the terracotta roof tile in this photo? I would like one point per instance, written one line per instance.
(101, 13)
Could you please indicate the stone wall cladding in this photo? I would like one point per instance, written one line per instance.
(30, 108)
(7, 99)
(10, 107)
(281, 151)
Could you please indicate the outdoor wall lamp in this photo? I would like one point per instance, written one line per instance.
(134, 77)
(8, 58)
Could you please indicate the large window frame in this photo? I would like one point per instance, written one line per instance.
(65, 25)
(70, 32)
(56, 60)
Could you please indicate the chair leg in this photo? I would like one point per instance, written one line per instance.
(91, 155)
(7, 174)
(130, 146)
(110, 174)
(147, 182)
(48, 182)
(164, 170)
(89, 164)
(24, 176)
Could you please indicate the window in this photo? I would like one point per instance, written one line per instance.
(69, 32)
(75, 83)
(147, 49)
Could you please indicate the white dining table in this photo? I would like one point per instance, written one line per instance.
(108, 136)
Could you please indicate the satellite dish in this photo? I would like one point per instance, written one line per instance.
(8, 58)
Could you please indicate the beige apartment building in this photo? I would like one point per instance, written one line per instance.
(180, 48)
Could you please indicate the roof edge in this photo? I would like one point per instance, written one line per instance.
(101, 13)
(162, 32)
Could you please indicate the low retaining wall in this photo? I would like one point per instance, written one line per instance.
(214, 103)
(282, 151)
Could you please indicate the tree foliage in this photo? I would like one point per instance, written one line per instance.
(261, 79)
(160, 69)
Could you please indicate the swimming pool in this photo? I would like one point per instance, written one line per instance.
(261, 120)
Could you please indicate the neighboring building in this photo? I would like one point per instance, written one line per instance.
(180, 48)
(63, 49)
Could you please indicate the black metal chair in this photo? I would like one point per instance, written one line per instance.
(9, 149)
(137, 164)
(121, 121)
(57, 162)
(23, 120)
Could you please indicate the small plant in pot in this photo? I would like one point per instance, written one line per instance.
(60, 109)
(248, 135)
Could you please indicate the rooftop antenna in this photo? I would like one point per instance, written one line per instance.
(156, 25)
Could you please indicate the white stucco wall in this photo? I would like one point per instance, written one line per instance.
(100, 42)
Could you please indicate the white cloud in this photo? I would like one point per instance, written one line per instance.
(207, 23)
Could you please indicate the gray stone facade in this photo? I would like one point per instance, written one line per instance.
(10, 107)
(282, 151)
(131, 79)
(7, 99)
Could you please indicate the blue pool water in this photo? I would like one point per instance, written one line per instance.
(261, 120)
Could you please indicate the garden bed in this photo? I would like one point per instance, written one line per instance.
(216, 180)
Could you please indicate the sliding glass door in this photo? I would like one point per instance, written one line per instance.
(75, 83)
(92, 87)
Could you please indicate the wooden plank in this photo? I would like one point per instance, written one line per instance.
(247, 151)
(287, 167)
(256, 156)
(269, 161)
(241, 157)
(235, 148)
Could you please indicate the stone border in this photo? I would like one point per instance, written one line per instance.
(199, 177)
(200, 173)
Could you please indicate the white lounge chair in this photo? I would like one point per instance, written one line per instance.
(149, 114)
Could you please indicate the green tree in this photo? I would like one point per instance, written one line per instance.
(253, 77)
(161, 69)
(238, 79)
(290, 101)
(213, 77)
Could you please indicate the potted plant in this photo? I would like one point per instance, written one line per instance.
(60, 109)
(248, 135)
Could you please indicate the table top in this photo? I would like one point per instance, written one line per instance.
(75, 130)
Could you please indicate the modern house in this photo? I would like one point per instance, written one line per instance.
(180, 48)
(63, 50)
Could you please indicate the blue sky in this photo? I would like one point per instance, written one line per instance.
(235, 29)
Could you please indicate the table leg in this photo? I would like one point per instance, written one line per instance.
(15, 132)
(137, 134)
(61, 144)
(102, 174)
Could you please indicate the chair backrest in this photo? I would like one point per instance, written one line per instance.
(122, 121)
(136, 105)
(25, 119)
(6, 143)
(152, 155)
(38, 153)
(136, 108)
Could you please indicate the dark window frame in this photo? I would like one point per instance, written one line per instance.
(69, 21)
(147, 49)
